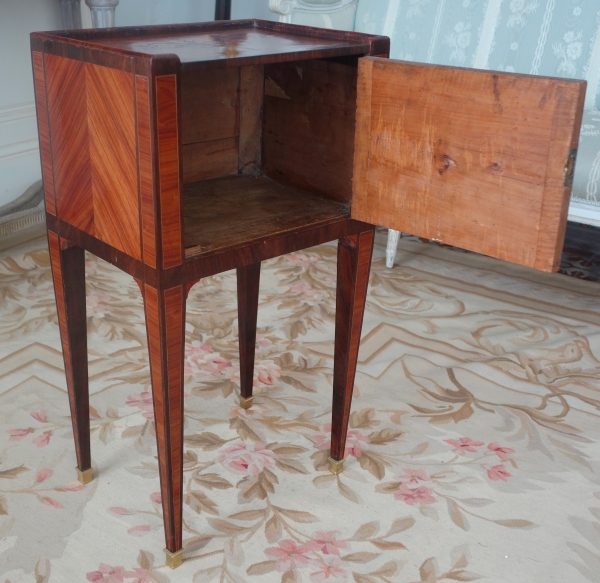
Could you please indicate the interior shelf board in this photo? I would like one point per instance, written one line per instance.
(231, 211)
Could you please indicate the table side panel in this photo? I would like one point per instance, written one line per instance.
(168, 168)
(92, 123)
(43, 130)
(112, 131)
(67, 105)
(146, 181)
(463, 157)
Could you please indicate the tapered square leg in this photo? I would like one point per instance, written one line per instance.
(165, 323)
(68, 275)
(248, 280)
(354, 264)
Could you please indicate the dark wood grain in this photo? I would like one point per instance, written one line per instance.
(210, 159)
(68, 275)
(146, 182)
(168, 164)
(210, 105)
(354, 265)
(208, 45)
(248, 282)
(235, 210)
(237, 44)
(309, 124)
(41, 105)
(252, 84)
(165, 324)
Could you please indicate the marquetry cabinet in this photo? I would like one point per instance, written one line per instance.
(178, 152)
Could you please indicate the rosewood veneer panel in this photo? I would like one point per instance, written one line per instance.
(238, 43)
(112, 132)
(474, 159)
(92, 120)
(66, 85)
(144, 136)
(168, 166)
(43, 130)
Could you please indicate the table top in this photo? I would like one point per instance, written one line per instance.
(254, 40)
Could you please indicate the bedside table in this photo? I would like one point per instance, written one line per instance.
(177, 152)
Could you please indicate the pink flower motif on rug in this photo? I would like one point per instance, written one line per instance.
(156, 498)
(51, 502)
(464, 444)
(266, 372)
(108, 574)
(310, 295)
(498, 472)
(303, 258)
(16, 434)
(40, 416)
(288, 556)
(263, 341)
(43, 475)
(140, 530)
(97, 305)
(412, 496)
(248, 459)
(501, 452)
(356, 440)
(43, 440)
(74, 487)
(331, 570)
(326, 543)
(201, 361)
(144, 402)
(411, 476)
(120, 511)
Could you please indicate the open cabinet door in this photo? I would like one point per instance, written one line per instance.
(481, 160)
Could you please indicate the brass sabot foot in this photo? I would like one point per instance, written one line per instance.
(174, 559)
(246, 403)
(335, 466)
(85, 476)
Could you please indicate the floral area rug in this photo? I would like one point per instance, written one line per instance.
(473, 451)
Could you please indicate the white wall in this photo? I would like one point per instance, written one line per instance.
(19, 153)
(138, 12)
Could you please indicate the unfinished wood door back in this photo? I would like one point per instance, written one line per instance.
(476, 159)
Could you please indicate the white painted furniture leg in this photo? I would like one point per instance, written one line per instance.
(103, 12)
(392, 246)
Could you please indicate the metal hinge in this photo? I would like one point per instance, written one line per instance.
(570, 167)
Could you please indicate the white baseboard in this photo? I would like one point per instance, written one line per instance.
(584, 213)
(19, 150)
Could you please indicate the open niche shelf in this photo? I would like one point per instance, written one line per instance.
(231, 211)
